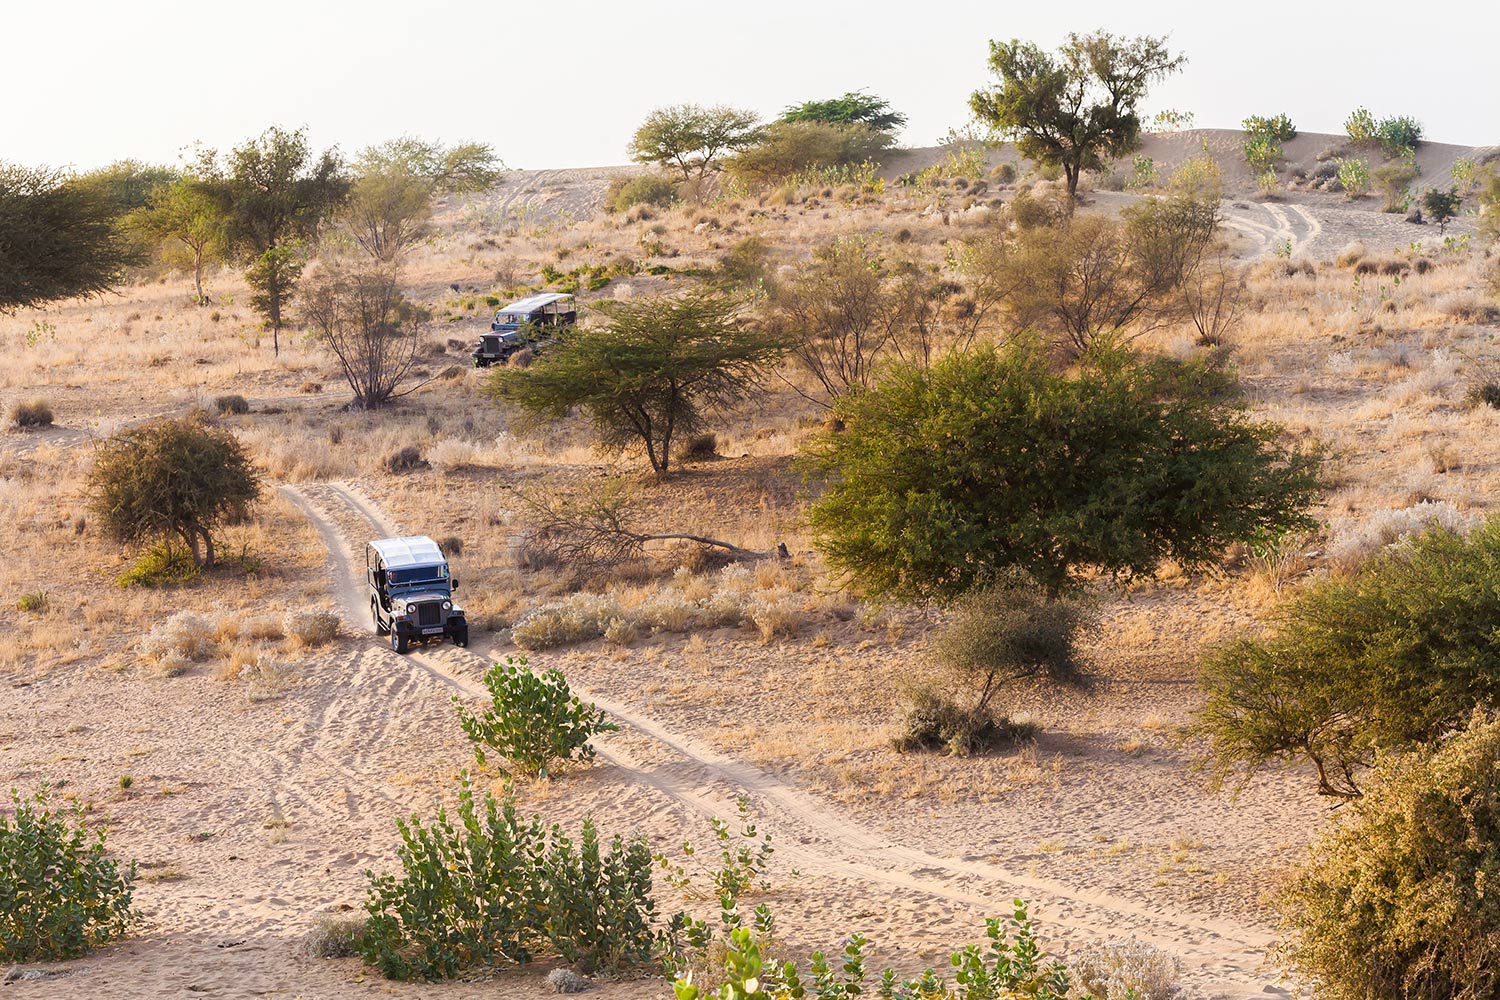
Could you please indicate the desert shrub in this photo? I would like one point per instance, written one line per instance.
(1441, 206)
(924, 500)
(451, 545)
(774, 617)
(33, 601)
(60, 894)
(310, 626)
(1400, 134)
(35, 413)
(1361, 126)
(1484, 392)
(486, 887)
(334, 937)
(576, 618)
(642, 189)
(407, 459)
(786, 149)
(666, 611)
(160, 565)
(1353, 540)
(535, 721)
(1354, 177)
(1393, 181)
(1396, 654)
(1004, 173)
(1278, 127)
(186, 634)
(931, 720)
(233, 404)
(1127, 970)
(1351, 254)
(1010, 632)
(1031, 212)
(621, 632)
(172, 478)
(452, 454)
(1262, 152)
(521, 359)
(1396, 901)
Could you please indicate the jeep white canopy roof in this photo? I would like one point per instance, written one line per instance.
(532, 303)
(410, 550)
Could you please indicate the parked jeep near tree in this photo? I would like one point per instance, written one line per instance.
(411, 592)
(527, 322)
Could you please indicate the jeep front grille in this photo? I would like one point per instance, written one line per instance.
(428, 613)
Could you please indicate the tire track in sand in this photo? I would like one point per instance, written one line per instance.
(1220, 958)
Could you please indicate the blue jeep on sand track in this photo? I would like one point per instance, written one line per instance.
(411, 593)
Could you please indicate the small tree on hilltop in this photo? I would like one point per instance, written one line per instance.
(991, 461)
(181, 478)
(1077, 108)
(854, 108)
(58, 238)
(1397, 900)
(1441, 206)
(691, 138)
(653, 372)
(360, 314)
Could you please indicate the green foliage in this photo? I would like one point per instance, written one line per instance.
(1009, 632)
(1278, 128)
(1392, 180)
(58, 238)
(535, 722)
(854, 108)
(1397, 654)
(1354, 177)
(162, 563)
(654, 371)
(34, 601)
(60, 894)
(1488, 194)
(127, 185)
(993, 461)
(740, 866)
(1077, 108)
(1010, 964)
(1396, 136)
(1441, 206)
(692, 138)
(188, 221)
(485, 887)
(789, 148)
(1397, 900)
(181, 478)
(1263, 153)
(389, 207)
(1361, 126)
(642, 189)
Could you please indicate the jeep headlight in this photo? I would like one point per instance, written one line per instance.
(407, 609)
(447, 605)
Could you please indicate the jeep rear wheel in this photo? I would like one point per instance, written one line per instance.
(398, 640)
(380, 626)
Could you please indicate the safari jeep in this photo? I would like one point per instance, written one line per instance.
(524, 323)
(411, 593)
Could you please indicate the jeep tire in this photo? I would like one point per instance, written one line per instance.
(461, 637)
(399, 641)
(380, 627)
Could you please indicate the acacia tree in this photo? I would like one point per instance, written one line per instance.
(276, 197)
(181, 478)
(854, 108)
(360, 315)
(58, 238)
(186, 214)
(389, 209)
(993, 461)
(691, 138)
(1077, 108)
(654, 371)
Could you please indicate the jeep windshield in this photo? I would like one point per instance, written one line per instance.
(414, 575)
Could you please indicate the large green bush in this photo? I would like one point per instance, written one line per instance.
(642, 189)
(1398, 900)
(535, 721)
(61, 895)
(791, 147)
(1399, 653)
(485, 886)
(995, 461)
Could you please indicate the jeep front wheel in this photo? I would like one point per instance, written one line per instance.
(398, 640)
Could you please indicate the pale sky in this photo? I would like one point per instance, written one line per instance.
(86, 82)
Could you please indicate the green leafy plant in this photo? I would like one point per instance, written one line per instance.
(1441, 206)
(61, 895)
(1361, 126)
(485, 886)
(535, 722)
(1277, 127)
(1394, 655)
(1354, 177)
(743, 856)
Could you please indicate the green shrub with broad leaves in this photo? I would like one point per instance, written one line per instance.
(535, 720)
(483, 886)
(61, 895)
(1010, 964)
